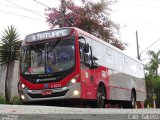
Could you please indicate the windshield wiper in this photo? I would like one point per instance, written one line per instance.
(52, 47)
(36, 49)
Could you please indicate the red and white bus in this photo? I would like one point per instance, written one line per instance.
(71, 64)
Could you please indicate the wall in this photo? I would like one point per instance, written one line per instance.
(14, 80)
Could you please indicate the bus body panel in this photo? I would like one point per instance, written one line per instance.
(121, 86)
(90, 80)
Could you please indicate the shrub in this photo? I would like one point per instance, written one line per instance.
(2, 100)
(15, 100)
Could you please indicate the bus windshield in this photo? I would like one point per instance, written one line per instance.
(48, 58)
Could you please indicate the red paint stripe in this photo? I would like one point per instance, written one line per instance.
(125, 88)
(119, 87)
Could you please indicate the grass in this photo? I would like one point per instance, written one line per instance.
(14, 100)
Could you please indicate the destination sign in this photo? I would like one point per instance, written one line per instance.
(47, 35)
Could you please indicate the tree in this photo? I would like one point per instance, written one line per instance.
(153, 87)
(9, 52)
(153, 65)
(152, 77)
(92, 17)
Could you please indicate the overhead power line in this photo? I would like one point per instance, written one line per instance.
(22, 16)
(8, 6)
(150, 46)
(24, 8)
(139, 4)
(42, 4)
(18, 8)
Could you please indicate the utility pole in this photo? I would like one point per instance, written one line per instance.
(63, 11)
(138, 56)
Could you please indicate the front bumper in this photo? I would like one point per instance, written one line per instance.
(57, 93)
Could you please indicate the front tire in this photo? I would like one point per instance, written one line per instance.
(101, 97)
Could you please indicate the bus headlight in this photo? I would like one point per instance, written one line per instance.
(22, 97)
(73, 80)
(76, 92)
(23, 86)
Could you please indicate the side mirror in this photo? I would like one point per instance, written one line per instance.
(87, 57)
(86, 48)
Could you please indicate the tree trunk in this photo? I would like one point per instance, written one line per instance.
(63, 11)
(7, 96)
(156, 72)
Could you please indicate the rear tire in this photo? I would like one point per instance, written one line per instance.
(131, 103)
(133, 100)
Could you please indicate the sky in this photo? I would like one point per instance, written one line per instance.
(26, 15)
(141, 15)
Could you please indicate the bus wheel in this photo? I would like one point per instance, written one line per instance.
(133, 100)
(101, 97)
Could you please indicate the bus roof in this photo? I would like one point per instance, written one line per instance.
(63, 33)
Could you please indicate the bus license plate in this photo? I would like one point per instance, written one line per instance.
(48, 92)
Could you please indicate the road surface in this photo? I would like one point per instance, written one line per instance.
(28, 112)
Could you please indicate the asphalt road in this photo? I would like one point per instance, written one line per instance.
(28, 112)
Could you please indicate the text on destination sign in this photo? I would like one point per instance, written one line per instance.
(47, 35)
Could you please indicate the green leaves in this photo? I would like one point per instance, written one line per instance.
(9, 48)
(152, 77)
(153, 65)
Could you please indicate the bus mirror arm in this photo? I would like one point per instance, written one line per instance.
(94, 64)
(81, 37)
(94, 58)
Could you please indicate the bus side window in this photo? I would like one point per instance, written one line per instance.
(108, 51)
(125, 60)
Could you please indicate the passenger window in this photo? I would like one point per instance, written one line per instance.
(108, 51)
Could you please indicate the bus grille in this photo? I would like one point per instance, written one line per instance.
(58, 94)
